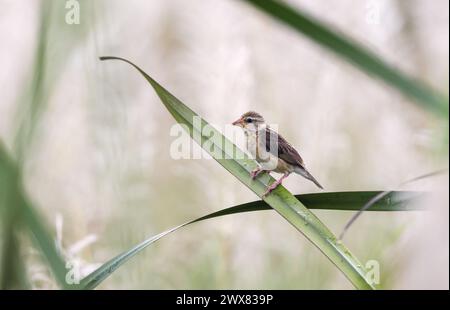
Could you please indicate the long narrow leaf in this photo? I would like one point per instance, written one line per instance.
(30, 218)
(354, 53)
(382, 195)
(237, 163)
(347, 201)
(12, 270)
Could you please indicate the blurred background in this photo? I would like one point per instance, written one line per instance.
(93, 141)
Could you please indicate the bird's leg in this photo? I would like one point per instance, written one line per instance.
(256, 172)
(275, 184)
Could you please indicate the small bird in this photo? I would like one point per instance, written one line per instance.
(271, 150)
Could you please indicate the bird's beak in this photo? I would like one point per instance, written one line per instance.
(238, 122)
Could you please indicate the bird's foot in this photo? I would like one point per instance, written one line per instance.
(275, 184)
(256, 172)
(271, 188)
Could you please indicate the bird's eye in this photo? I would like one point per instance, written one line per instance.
(248, 120)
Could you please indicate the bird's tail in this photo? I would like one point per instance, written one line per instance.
(303, 172)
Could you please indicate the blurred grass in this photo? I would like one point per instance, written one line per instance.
(17, 202)
(31, 106)
(48, 64)
(12, 269)
(343, 201)
(355, 54)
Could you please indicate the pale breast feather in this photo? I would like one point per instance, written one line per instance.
(251, 143)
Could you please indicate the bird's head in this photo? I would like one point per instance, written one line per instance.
(250, 121)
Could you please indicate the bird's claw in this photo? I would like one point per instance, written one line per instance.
(255, 173)
(270, 188)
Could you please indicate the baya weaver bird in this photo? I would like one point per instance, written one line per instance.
(271, 150)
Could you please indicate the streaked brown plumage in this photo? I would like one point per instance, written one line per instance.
(271, 150)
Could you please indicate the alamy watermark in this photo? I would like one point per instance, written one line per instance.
(73, 275)
(373, 12)
(373, 272)
(261, 143)
(73, 12)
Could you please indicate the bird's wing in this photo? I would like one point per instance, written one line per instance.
(278, 146)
